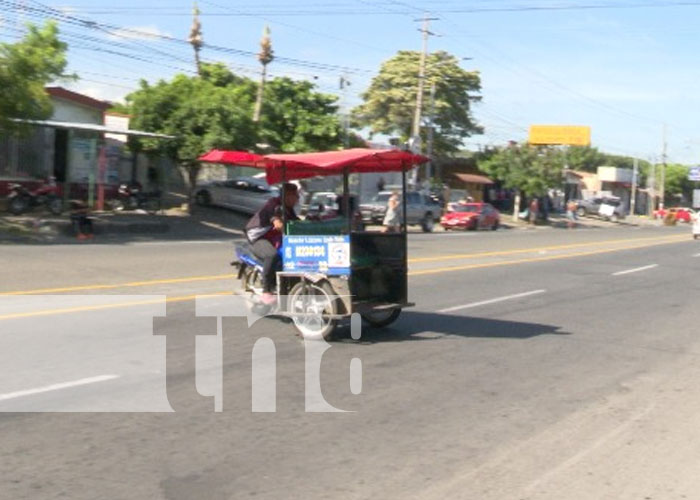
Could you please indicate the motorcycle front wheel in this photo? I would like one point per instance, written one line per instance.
(55, 206)
(152, 205)
(18, 205)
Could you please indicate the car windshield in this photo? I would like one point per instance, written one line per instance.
(381, 197)
(471, 207)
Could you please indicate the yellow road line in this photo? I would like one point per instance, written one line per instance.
(121, 285)
(414, 273)
(135, 284)
(69, 310)
(536, 249)
(538, 259)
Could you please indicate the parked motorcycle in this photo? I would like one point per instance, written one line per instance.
(132, 197)
(21, 199)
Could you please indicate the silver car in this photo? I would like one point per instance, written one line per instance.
(243, 194)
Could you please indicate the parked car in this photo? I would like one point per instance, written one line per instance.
(244, 194)
(681, 214)
(592, 206)
(322, 205)
(471, 216)
(420, 209)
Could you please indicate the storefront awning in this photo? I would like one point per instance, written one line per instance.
(474, 179)
(91, 127)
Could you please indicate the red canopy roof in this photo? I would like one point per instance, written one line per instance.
(302, 165)
(232, 157)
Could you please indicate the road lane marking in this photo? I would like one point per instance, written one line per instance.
(57, 387)
(635, 270)
(491, 301)
(536, 249)
(69, 310)
(696, 255)
(536, 259)
(45, 291)
(652, 242)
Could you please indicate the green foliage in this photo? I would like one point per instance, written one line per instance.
(676, 183)
(531, 170)
(297, 119)
(215, 111)
(25, 68)
(390, 102)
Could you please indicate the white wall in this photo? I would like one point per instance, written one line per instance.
(67, 111)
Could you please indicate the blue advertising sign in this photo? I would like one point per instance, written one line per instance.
(694, 174)
(323, 254)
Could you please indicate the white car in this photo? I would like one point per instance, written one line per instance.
(244, 194)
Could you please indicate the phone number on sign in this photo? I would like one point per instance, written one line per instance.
(310, 251)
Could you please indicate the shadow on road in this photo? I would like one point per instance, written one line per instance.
(425, 326)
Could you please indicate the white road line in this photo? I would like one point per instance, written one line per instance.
(56, 387)
(696, 255)
(492, 301)
(635, 270)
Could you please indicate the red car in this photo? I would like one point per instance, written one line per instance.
(682, 214)
(471, 216)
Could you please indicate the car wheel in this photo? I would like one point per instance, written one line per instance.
(428, 223)
(203, 199)
(614, 218)
(581, 212)
(495, 226)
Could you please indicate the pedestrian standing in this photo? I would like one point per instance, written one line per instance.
(534, 210)
(571, 214)
(392, 219)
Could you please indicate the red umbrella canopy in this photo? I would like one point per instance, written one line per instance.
(360, 160)
(232, 157)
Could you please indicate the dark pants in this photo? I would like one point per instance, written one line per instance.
(267, 253)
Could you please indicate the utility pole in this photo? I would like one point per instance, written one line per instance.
(415, 130)
(662, 182)
(196, 38)
(651, 183)
(344, 84)
(635, 173)
(265, 56)
(431, 131)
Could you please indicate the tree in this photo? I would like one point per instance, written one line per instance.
(201, 113)
(295, 118)
(390, 102)
(215, 111)
(527, 169)
(677, 186)
(25, 69)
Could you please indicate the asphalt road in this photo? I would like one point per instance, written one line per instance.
(538, 364)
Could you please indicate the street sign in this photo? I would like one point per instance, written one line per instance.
(696, 198)
(324, 254)
(560, 135)
(694, 174)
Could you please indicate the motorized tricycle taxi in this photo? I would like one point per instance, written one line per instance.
(333, 268)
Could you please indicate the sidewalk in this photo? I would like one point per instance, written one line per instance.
(126, 227)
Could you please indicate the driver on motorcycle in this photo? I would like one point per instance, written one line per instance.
(264, 231)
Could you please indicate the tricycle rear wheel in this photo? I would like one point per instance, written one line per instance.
(380, 319)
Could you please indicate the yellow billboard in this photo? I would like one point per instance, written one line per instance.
(570, 135)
